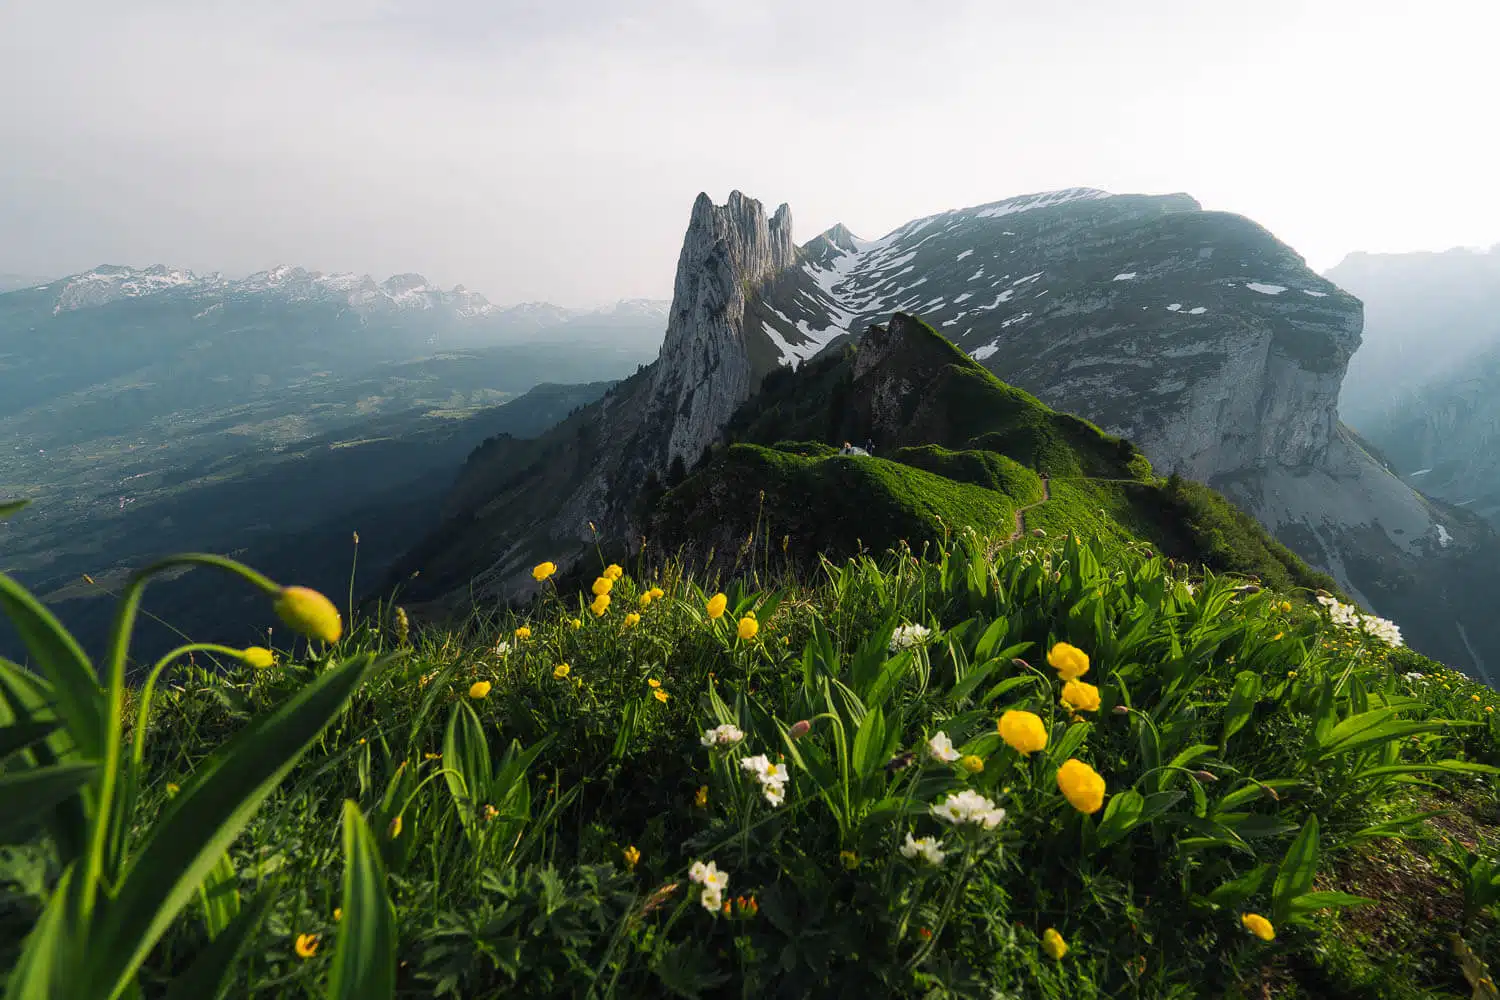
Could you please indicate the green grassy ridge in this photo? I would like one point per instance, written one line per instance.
(620, 768)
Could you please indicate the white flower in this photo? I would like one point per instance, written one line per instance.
(929, 849)
(502, 647)
(969, 807)
(711, 899)
(909, 637)
(941, 748)
(722, 736)
(1414, 677)
(772, 777)
(708, 876)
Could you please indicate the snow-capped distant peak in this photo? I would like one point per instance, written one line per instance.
(1042, 199)
(109, 282)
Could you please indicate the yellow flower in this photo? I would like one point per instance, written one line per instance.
(307, 945)
(338, 914)
(1259, 926)
(560, 671)
(632, 619)
(523, 632)
(1278, 635)
(849, 859)
(258, 657)
(479, 689)
(613, 572)
(600, 605)
(1081, 785)
(632, 856)
(1024, 731)
(748, 627)
(1474, 696)
(1286, 607)
(657, 593)
(660, 695)
(645, 599)
(309, 613)
(1070, 662)
(716, 605)
(700, 799)
(173, 788)
(576, 623)
(1489, 708)
(543, 570)
(971, 763)
(653, 682)
(1053, 944)
(603, 585)
(1080, 696)
(395, 828)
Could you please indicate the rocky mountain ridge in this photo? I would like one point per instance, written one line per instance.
(1197, 335)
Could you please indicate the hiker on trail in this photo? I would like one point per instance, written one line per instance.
(846, 449)
(870, 446)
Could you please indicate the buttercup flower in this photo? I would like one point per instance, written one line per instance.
(970, 808)
(1286, 607)
(1080, 696)
(849, 859)
(1053, 944)
(1081, 785)
(258, 657)
(660, 695)
(631, 856)
(613, 571)
(927, 849)
(310, 613)
(700, 797)
(652, 682)
(716, 605)
(632, 619)
(1070, 662)
(603, 585)
(748, 627)
(1259, 926)
(722, 736)
(1024, 731)
(338, 914)
(941, 748)
(523, 633)
(971, 763)
(479, 689)
(600, 605)
(646, 599)
(561, 670)
(307, 945)
(657, 593)
(543, 570)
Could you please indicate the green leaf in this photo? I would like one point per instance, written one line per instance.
(48, 968)
(204, 819)
(869, 744)
(1295, 874)
(212, 971)
(890, 676)
(364, 962)
(1373, 731)
(1237, 891)
(1121, 816)
(993, 636)
(1241, 705)
(1310, 901)
(466, 762)
(27, 796)
(220, 896)
(22, 735)
(78, 699)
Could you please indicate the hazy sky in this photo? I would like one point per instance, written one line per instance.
(552, 150)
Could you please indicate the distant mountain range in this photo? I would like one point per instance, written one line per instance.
(10, 282)
(148, 410)
(1424, 387)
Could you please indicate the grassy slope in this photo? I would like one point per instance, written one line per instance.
(549, 906)
(1000, 436)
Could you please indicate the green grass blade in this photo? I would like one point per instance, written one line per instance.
(212, 972)
(78, 700)
(48, 967)
(220, 896)
(364, 964)
(206, 817)
(23, 735)
(1295, 875)
(26, 797)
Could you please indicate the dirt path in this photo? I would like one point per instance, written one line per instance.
(1020, 527)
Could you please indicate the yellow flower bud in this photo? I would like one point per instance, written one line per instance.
(560, 671)
(1259, 926)
(1070, 662)
(479, 689)
(258, 657)
(1053, 944)
(632, 856)
(1081, 785)
(310, 613)
(748, 627)
(971, 763)
(603, 585)
(600, 605)
(632, 619)
(1080, 696)
(1024, 731)
(716, 605)
(613, 572)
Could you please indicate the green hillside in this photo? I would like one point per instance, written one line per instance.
(955, 447)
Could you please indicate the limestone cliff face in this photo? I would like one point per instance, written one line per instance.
(550, 498)
(704, 371)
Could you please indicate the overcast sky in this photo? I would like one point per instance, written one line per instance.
(552, 149)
